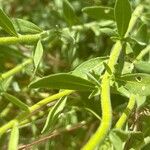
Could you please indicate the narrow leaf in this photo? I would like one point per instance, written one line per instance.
(53, 114)
(7, 24)
(122, 16)
(63, 81)
(38, 54)
(16, 102)
(138, 83)
(99, 12)
(24, 26)
(107, 68)
(94, 64)
(69, 13)
(14, 138)
(93, 112)
(142, 66)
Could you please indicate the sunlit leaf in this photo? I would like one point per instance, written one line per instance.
(138, 83)
(143, 66)
(38, 54)
(53, 114)
(117, 138)
(94, 64)
(24, 26)
(122, 16)
(7, 24)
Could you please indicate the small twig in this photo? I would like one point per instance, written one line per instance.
(53, 135)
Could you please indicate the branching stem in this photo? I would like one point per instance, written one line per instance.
(121, 122)
(105, 124)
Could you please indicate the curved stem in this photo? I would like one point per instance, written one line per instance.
(120, 123)
(33, 108)
(143, 53)
(106, 120)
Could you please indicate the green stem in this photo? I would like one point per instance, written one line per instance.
(33, 108)
(121, 122)
(28, 39)
(15, 70)
(105, 125)
(143, 53)
(106, 120)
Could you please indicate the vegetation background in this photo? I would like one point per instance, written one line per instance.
(71, 39)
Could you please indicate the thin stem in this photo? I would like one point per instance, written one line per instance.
(15, 70)
(33, 108)
(143, 53)
(121, 122)
(106, 120)
(53, 135)
(135, 16)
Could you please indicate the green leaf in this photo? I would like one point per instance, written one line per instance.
(142, 34)
(129, 49)
(10, 52)
(69, 13)
(138, 83)
(38, 54)
(16, 102)
(4, 84)
(99, 12)
(107, 68)
(142, 66)
(140, 101)
(127, 68)
(54, 113)
(24, 26)
(63, 81)
(117, 138)
(14, 138)
(7, 24)
(94, 64)
(122, 16)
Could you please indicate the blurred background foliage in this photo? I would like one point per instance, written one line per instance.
(63, 51)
